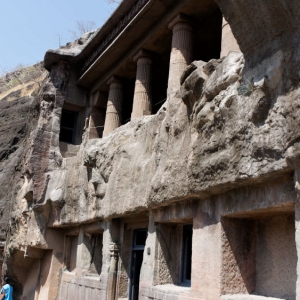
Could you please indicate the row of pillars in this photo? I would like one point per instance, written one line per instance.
(181, 57)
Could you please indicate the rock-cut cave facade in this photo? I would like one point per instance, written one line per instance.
(161, 159)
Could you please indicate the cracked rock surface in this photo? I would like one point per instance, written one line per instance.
(226, 127)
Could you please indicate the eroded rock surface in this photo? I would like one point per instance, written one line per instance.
(225, 128)
(233, 123)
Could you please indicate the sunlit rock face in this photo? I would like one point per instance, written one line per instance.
(228, 137)
(19, 114)
(220, 129)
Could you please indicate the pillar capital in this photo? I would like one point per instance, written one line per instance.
(114, 79)
(181, 19)
(142, 53)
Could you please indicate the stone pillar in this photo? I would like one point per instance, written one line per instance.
(80, 249)
(297, 238)
(142, 93)
(206, 252)
(114, 106)
(113, 271)
(295, 163)
(148, 269)
(97, 115)
(229, 42)
(182, 50)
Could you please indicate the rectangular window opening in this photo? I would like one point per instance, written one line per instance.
(187, 237)
(68, 126)
(140, 236)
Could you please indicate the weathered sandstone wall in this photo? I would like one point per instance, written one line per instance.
(233, 124)
(221, 131)
(19, 108)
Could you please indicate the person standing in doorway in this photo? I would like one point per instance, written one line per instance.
(7, 290)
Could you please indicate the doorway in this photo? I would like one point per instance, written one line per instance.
(138, 246)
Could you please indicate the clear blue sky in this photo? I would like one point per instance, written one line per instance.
(28, 28)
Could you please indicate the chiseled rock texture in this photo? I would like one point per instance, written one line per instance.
(234, 122)
(19, 112)
(219, 132)
(247, 297)
(226, 127)
(17, 118)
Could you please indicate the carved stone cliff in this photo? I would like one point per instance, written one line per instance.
(234, 123)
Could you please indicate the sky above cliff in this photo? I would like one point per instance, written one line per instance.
(30, 28)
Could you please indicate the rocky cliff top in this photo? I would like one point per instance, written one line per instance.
(21, 78)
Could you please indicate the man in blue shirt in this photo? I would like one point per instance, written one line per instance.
(7, 290)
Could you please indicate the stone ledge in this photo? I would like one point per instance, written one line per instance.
(89, 281)
(247, 297)
(68, 150)
(164, 292)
